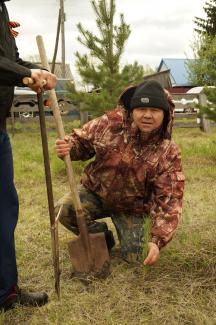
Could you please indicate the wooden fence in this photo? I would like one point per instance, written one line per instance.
(186, 112)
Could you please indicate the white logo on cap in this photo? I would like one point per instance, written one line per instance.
(144, 100)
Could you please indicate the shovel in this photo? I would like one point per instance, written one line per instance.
(88, 252)
(53, 221)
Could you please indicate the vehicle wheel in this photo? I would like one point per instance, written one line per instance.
(26, 114)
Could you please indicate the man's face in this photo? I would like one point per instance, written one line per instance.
(147, 119)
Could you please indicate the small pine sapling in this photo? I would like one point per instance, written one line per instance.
(147, 225)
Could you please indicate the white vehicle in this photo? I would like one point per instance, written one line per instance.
(185, 103)
(197, 90)
(24, 99)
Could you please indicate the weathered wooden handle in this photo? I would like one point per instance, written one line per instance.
(71, 177)
(59, 124)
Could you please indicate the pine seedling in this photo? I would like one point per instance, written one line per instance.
(147, 225)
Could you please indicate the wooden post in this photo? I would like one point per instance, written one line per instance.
(83, 118)
(83, 115)
(204, 122)
(63, 37)
(56, 42)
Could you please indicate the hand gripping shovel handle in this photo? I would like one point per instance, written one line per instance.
(81, 222)
(29, 81)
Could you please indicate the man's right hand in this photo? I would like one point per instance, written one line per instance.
(63, 147)
(153, 254)
(39, 76)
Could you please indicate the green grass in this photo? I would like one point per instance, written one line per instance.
(180, 289)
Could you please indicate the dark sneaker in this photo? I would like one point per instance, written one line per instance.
(20, 297)
(110, 241)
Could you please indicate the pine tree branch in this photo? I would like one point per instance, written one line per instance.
(101, 67)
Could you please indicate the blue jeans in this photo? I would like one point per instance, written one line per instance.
(9, 208)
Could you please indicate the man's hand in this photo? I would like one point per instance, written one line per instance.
(39, 76)
(63, 147)
(153, 254)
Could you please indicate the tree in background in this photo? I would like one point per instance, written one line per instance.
(208, 25)
(203, 69)
(100, 70)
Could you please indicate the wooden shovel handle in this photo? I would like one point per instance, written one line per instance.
(61, 134)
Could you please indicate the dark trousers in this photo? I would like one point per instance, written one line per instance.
(129, 227)
(8, 219)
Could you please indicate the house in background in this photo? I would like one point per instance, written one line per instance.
(178, 72)
(163, 77)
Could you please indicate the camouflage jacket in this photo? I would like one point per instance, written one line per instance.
(131, 174)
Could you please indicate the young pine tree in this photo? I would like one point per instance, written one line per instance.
(100, 69)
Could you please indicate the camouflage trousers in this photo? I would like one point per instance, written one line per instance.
(129, 228)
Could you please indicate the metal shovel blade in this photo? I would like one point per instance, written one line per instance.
(98, 264)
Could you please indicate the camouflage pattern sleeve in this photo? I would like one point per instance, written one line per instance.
(166, 205)
(83, 139)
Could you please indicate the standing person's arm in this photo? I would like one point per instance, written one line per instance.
(12, 68)
(38, 74)
(12, 73)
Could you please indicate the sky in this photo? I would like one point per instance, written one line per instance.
(159, 28)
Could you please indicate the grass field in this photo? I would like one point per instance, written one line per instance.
(180, 289)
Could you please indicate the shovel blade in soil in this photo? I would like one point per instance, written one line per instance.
(99, 262)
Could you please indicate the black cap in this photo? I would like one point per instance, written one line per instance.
(149, 94)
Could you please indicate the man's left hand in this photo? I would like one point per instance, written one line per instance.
(153, 254)
(39, 76)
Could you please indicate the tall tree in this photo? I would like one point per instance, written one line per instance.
(203, 69)
(208, 25)
(100, 69)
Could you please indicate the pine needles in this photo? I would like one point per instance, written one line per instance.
(147, 225)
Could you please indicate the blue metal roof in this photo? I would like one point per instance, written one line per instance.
(178, 71)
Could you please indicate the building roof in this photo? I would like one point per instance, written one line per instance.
(179, 74)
